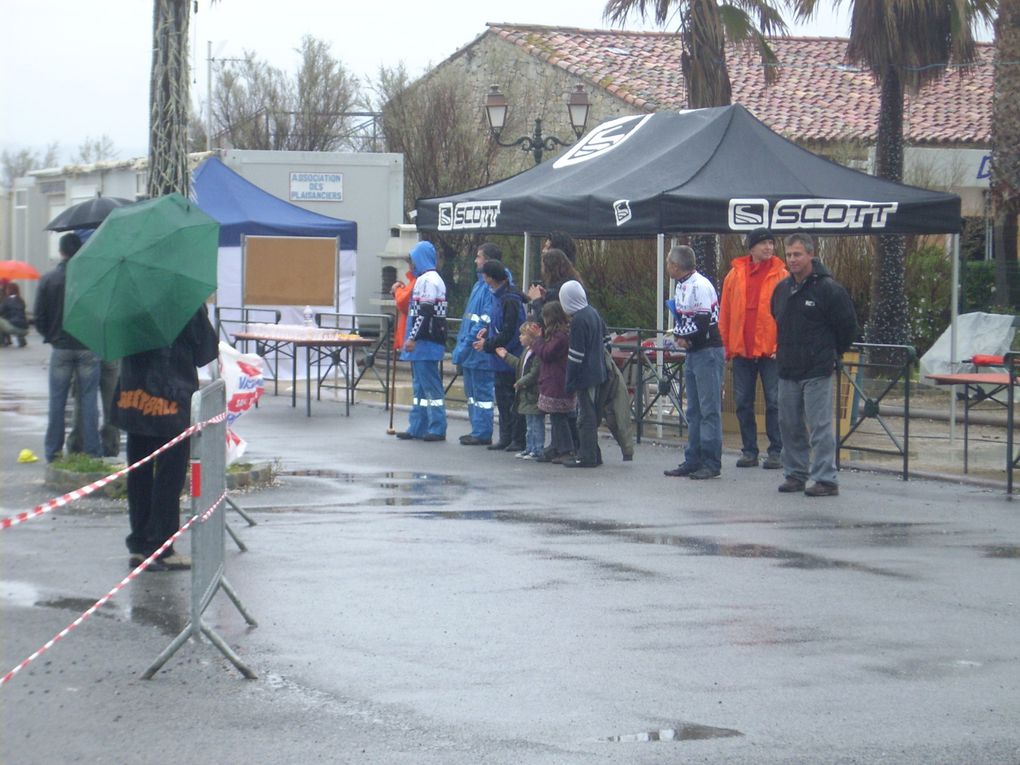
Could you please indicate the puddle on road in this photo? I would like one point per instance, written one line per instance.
(682, 732)
(78, 605)
(403, 489)
(694, 545)
(1000, 551)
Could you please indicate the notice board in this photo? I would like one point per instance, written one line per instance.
(286, 270)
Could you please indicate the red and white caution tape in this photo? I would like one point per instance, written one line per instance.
(120, 586)
(84, 491)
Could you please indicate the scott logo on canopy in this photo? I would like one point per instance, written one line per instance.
(601, 140)
(468, 215)
(800, 214)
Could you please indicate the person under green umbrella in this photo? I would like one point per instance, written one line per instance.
(153, 404)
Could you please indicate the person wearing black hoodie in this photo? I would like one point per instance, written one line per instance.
(816, 324)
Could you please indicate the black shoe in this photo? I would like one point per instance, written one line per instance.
(822, 489)
(22, 342)
(470, 440)
(137, 559)
(791, 486)
(404, 435)
(433, 437)
(748, 460)
(514, 448)
(628, 457)
(580, 464)
(499, 446)
(702, 474)
(773, 462)
(681, 471)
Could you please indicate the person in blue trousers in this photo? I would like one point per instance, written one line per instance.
(424, 346)
(477, 367)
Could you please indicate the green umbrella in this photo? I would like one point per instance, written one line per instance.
(137, 281)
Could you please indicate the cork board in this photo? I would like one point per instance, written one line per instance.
(283, 270)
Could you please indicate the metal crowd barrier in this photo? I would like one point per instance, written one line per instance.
(890, 365)
(239, 318)
(365, 361)
(208, 492)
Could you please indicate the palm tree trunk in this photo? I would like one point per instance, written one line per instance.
(1006, 146)
(168, 99)
(888, 321)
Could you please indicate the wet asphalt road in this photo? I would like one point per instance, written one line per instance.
(432, 603)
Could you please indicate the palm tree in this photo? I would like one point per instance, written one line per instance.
(1006, 144)
(704, 27)
(168, 98)
(904, 44)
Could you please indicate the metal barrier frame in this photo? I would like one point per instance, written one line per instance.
(247, 316)
(340, 358)
(208, 487)
(864, 407)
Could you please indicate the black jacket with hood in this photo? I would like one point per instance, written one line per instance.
(816, 324)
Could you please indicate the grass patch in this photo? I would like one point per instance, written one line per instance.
(240, 467)
(83, 463)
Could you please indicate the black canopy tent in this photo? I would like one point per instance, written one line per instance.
(717, 170)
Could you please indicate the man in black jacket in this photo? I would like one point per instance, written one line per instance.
(816, 324)
(507, 315)
(69, 358)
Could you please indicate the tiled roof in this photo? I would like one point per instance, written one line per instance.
(818, 98)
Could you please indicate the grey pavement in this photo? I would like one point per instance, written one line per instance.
(433, 603)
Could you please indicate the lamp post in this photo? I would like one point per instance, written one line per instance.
(496, 108)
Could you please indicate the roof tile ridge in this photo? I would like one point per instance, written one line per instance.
(583, 30)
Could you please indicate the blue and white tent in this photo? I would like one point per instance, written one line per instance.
(243, 209)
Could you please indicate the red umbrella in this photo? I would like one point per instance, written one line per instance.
(17, 269)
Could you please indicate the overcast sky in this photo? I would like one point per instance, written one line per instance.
(72, 69)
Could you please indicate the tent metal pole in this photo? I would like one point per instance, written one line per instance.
(954, 311)
(660, 283)
(524, 269)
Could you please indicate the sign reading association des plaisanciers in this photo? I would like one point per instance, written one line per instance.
(316, 187)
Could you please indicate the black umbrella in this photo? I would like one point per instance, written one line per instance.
(87, 214)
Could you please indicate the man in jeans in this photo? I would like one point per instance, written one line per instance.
(816, 324)
(696, 311)
(749, 336)
(68, 358)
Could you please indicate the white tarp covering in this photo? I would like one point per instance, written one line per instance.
(990, 333)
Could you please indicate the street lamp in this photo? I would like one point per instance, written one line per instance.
(496, 108)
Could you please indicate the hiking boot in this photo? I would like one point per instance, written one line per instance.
(559, 459)
(702, 474)
(174, 562)
(433, 437)
(681, 471)
(500, 446)
(748, 460)
(791, 486)
(772, 462)
(822, 489)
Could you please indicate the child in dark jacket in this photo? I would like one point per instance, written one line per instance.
(528, 369)
(550, 345)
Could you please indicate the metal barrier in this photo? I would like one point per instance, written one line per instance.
(229, 316)
(856, 405)
(339, 360)
(208, 491)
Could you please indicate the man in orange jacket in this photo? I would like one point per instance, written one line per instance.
(749, 336)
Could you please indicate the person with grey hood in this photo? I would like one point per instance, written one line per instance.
(586, 369)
